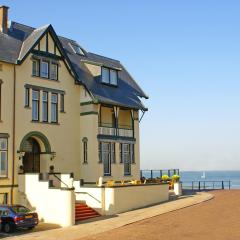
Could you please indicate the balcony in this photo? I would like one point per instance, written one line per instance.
(122, 131)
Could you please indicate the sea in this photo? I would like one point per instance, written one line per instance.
(215, 179)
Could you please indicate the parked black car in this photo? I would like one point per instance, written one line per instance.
(17, 216)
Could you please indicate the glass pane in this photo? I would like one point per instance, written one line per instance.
(54, 98)
(45, 96)
(45, 112)
(3, 198)
(44, 69)
(35, 110)
(106, 162)
(3, 163)
(35, 68)
(54, 71)
(26, 97)
(105, 75)
(3, 144)
(62, 103)
(113, 77)
(35, 95)
(54, 112)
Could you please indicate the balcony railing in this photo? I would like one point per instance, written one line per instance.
(110, 130)
(107, 131)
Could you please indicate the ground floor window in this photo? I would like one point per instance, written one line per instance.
(3, 198)
(107, 156)
(3, 156)
(127, 157)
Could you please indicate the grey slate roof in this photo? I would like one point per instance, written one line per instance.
(20, 39)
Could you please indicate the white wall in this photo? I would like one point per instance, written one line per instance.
(114, 200)
(52, 205)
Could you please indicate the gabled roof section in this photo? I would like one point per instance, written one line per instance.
(32, 41)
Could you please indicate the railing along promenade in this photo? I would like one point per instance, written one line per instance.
(206, 185)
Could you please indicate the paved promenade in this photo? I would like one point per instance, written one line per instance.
(87, 229)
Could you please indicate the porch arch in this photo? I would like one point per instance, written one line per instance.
(37, 135)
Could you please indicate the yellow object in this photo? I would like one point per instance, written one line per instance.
(110, 183)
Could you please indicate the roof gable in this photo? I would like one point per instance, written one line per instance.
(34, 39)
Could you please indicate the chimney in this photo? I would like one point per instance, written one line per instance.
(4, 19)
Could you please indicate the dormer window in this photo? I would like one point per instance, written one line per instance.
(109, 76)
(77, 49)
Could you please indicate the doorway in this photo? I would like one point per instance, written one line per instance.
(31, 159)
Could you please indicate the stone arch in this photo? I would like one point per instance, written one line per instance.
(38, 136)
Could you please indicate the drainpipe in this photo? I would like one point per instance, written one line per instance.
(14, 125)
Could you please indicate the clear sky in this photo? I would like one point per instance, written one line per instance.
(184, 54)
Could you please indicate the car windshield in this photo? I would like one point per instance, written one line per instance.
(20, 209)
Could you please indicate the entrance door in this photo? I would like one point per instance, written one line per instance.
(31, 159)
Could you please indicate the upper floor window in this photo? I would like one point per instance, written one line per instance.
(3, 156)
(54, 71)
(44, 69)
(109, 76)
(45, 107)
(35, 67)
(26, 97)
(35, 105)
(54, 108)
(62, 108)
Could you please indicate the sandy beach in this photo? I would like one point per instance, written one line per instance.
(217, 219)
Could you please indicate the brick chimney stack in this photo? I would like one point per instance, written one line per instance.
(4, 19)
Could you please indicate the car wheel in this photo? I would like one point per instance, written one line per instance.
(8, 228)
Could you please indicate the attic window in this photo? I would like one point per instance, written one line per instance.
(109, 76)
(77, 49)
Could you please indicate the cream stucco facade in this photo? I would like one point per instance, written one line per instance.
(61, 144)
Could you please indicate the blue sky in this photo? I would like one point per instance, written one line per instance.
(184, 54)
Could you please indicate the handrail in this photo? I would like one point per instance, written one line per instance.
(90, 196)
(60, 180)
